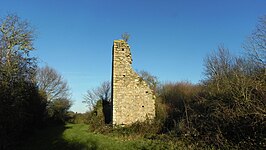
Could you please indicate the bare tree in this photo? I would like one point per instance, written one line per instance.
(52, 83)
(256, 44)
(218, 63)
(125, 36)
(151, 80)
(103, 93)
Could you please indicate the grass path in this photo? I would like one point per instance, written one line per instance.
(77, 137)
(78, 134)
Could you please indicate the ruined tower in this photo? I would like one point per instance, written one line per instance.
(132, 99)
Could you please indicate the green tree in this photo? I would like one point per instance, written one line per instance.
(58, 109)
(99, 102)
(16, 37)
(21, 106)
(16, 43)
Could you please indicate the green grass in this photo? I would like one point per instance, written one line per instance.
(78, 137)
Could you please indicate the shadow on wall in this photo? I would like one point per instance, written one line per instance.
(107, 111)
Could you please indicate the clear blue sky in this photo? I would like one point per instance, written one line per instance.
(169, 38)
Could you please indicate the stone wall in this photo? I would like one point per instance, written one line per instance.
(132, 99)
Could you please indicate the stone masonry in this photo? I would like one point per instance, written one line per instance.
(132, 99)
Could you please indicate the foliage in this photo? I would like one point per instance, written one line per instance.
(96, 118)
(101, 93)
(52, 83)
(227, 110)
(77, 118)
(178, 98)
(16, 38)
(23, 95)
(58, 109)
(125, 36)
(56, 90)
(255, 45)
(22, 107)
(151, 80)
(99, 102)
(235, 97)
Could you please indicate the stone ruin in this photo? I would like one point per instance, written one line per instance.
(132, 99)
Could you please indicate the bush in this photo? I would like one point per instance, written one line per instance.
(58, 109)
(179, 98)
(95, 118)
(235, 102)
